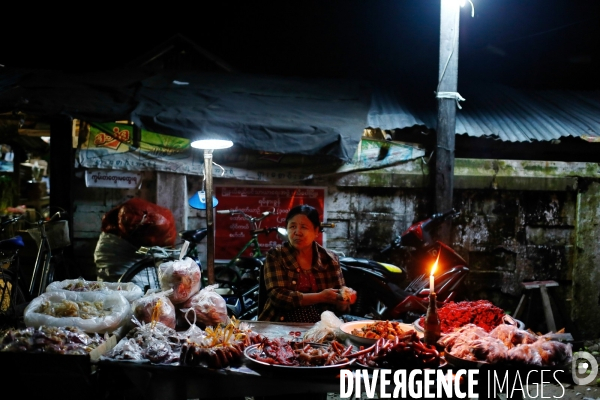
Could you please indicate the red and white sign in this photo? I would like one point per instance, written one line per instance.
(232, 232)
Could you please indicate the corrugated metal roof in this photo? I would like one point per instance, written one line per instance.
(497, 111)
(388, 112)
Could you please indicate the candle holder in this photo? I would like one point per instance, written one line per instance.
(432, 325)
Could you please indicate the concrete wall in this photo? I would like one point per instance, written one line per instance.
(520, 221)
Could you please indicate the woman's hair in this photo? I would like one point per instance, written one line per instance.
(311, 213)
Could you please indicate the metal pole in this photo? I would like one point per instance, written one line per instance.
(446, 119)
(210, 237)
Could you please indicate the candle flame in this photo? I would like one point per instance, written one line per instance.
(435, 264)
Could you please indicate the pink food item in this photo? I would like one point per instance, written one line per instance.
(209, 306)
(183, 276)
(155, 307)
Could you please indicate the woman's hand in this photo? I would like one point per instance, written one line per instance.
(330, 296)
(342, 298)
(335, 296)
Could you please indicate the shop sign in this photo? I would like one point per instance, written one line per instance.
(232, 232)
(112, 179)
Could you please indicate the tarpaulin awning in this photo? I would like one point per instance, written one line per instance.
(264, 113)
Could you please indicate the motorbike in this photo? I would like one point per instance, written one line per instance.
(383, 294)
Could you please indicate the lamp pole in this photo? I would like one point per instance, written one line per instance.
(210, 236)
(209, 145)
(447, 99)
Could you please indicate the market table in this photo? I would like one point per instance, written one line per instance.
(131, 380)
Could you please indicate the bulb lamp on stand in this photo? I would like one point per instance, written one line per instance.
(208, 145)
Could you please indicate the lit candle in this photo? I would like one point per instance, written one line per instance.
(431, 280)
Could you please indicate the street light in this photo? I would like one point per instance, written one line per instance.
(208, 145)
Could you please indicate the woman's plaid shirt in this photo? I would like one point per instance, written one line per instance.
(281, 274)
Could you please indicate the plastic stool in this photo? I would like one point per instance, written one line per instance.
(543, 286)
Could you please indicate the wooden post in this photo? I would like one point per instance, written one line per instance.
(62, 160)
(210, 236)
(446, 119)
(171, 193)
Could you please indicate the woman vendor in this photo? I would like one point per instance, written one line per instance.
(303, 278)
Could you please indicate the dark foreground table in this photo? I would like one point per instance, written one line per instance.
(129, 380)
(120, 381)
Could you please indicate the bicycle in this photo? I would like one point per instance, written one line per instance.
(242, 287)
(50, 234)
(144, 273)
(11, 295)
(241, 274)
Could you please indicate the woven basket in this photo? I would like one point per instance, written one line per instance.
(57, 233)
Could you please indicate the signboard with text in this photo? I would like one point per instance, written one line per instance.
(232, 232)
(113, 179)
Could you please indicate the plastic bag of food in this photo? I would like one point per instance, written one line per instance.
(183, 276)
(141, 223)
(193, 333)
(89, 311)
(155, 307)
(209, 306)
(129, 290)
(325, 329)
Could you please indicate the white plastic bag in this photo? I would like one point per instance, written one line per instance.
(89, 311)
(324, 329)
(155, 305)
(113, 256)
(209, 306)
(183, 276)
(129, 290)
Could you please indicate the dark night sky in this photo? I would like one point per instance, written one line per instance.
(551, 43)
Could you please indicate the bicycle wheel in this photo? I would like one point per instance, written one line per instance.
(143, 273)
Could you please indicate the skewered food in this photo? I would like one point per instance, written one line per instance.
(405, 351)
(221, 347)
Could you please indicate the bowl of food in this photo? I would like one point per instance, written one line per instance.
(367, 332)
